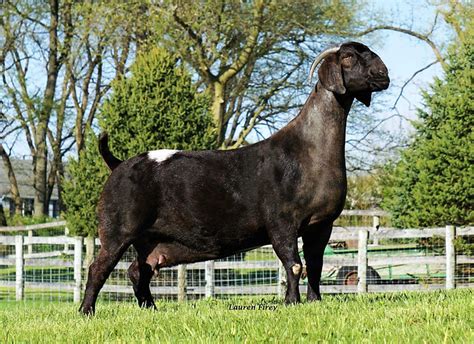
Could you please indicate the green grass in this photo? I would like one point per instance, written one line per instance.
(259, 255)
(435, 317)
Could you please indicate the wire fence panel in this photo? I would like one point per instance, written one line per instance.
(248, 273)
(7, 271)
(48, 269)
(53, 268)
(39, 269)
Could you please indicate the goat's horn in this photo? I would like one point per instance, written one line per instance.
(320, 58)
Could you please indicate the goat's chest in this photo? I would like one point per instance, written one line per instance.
(328, 194)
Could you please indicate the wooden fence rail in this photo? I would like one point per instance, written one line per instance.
(36, 227)
(74, 259)
(376, 214)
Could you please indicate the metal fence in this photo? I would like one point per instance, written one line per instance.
(358, 259)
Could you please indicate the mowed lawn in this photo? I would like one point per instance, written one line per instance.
(430, 317)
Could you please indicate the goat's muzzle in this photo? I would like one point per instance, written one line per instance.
(380, 84)
(378, 74)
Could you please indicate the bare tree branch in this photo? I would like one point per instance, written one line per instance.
(412, 33)
(410, 79)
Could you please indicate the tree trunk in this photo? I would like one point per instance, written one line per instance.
(39, 171)
(15, 192)
(41, 157)
(50, 184)
(218, 110)
(3, 219)
(53, 170)
(59, 183)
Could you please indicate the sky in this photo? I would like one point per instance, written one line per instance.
(402, 54)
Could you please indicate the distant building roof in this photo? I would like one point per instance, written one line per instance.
(24, 176)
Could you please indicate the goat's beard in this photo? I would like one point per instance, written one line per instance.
(364, 97)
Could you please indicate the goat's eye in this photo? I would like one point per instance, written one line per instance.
(347, 61)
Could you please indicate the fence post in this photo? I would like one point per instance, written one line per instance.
(209, 276)
(376, 225)
(30, 246)
(66, 233)
(362, 261)
(89, 242)
(19, 263)
(182, 282)
(77, 269)
(450, 257)
(281, 279)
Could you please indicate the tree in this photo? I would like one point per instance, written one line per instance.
(433, 182)
(249, 55)
(33, 111)
(364, 191)
(14, 189)
(85, 178)
(156, 107)
(55, 56)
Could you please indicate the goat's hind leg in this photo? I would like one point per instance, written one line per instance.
(99, 271)
(141, 273)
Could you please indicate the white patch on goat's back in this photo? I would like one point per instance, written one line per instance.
(161, 154)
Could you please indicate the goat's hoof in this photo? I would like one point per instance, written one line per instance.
(87, 311)
(292, 301)
(148, 305)
(314, 298)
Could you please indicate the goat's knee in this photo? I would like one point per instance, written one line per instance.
(134, 272)
(296, 269)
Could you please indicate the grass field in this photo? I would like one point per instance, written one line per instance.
(434, 317)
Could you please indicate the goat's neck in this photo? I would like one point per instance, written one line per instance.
(322, 126)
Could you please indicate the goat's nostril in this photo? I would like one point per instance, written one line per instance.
(379, 73)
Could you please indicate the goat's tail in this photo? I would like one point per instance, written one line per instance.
(104, 150)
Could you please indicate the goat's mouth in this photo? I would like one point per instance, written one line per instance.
(380, 84)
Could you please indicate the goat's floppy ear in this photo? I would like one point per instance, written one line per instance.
(330, 75)
(364, 97)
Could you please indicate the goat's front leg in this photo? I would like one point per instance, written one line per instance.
(315, 239)
(284, 239)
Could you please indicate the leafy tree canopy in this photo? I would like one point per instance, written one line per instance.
(158, 107)
(433, 183)
(249, 55)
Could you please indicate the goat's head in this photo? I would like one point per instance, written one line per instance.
(352, 69)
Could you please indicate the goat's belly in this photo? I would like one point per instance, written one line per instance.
(179, 246)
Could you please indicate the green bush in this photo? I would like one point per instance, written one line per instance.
(81, 189)
(156, 107)
(433, 183)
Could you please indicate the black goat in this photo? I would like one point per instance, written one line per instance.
(179, 207)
